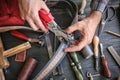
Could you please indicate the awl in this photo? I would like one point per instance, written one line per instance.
(107, 71)
(96, 45)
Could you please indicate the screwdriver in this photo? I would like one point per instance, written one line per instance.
(75, 69)
(74, 57)
(107, 71)
(96, 43)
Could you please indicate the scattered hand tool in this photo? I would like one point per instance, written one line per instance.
(106, 17)
(2, 77)
(107, 71)
(114, 54)
(113, 33)
(81, 10)
(27, 69)
(75, 69)
(5, 63)
(89, 75)
(74, 57)
(22, 36)
(17, 49)
(96, 50)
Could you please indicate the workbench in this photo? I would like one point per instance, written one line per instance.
(41, 54)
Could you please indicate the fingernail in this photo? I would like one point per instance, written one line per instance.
(35, 29)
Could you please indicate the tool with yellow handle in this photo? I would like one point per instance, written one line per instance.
(4, 63)
(96, 50)
(17, 49)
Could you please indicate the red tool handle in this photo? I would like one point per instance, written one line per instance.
(19, 35)
(45, 17)
(107, 71)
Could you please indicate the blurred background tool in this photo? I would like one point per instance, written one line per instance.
(27, 69)
(89, 75)
(6, 63)
(81, 14)
(114, 54)
(96, 50)
(74, 57)
(108, 15)
(107, 72)
(113, 33)
(75, 69)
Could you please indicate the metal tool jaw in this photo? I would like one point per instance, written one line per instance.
(61, 34)
(49, 23)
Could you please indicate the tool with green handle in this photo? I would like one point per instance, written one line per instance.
(75, 69)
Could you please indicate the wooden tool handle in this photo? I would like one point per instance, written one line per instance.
(2, 77)
(107, 71)
(6, 63)
(96, 43)
(17, 49)
(27, 69)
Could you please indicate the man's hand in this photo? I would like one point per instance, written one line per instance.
(29, 12)
(87, 28)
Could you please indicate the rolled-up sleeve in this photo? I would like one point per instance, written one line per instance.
(99, 5)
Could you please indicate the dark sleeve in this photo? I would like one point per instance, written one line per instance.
(99, 5)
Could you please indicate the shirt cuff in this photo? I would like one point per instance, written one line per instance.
(99, 5)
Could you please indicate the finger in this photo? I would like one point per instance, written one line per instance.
(39, 23)
(21, 12)
(72, 48)
(32, 24)
(73, 28)
(45, 7)
(76, 47)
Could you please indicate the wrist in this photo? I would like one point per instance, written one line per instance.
(95, 17)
